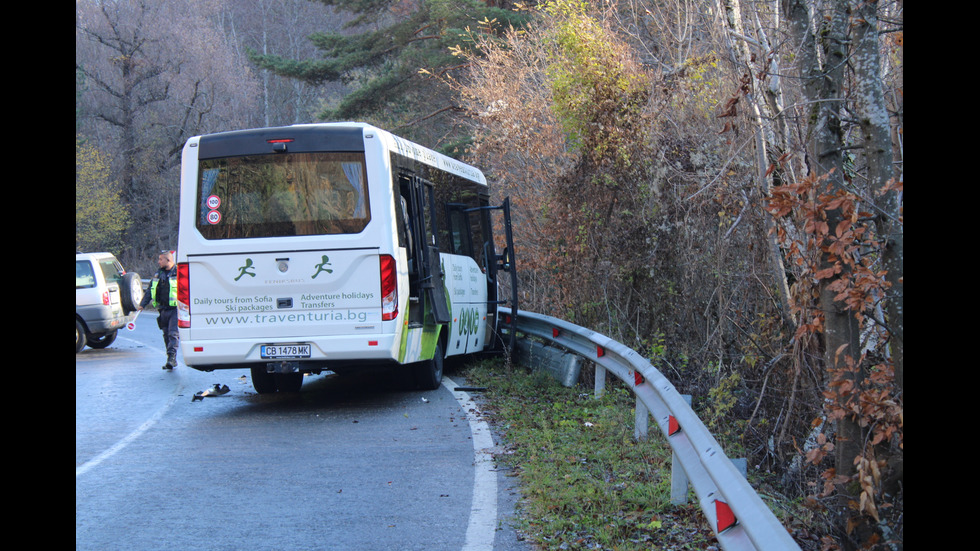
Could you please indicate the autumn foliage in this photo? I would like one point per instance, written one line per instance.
(846, 259)
(657, 204)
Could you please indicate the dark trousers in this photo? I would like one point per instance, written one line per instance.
(168, 324)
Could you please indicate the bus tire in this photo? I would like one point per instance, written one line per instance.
(428, 374)
(289, 382)
(264, 382)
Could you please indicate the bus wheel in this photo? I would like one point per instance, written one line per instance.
(428, 374)
(264, 382)
(289, 382)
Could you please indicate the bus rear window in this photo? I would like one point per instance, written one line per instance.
(282, 194)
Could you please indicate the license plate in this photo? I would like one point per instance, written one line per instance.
(283, 351)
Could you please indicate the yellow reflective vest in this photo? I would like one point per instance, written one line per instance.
(173, 291)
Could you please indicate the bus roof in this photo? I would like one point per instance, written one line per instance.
(412, 150)
(349, 137)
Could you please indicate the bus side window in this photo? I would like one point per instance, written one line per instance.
(459, 230)
(404, 228)
(402, 190)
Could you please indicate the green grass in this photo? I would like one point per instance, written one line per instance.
(586, 482)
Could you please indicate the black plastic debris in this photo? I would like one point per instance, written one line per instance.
(216, 390)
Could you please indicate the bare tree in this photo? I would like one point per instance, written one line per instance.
(151, 74)
(281, 28)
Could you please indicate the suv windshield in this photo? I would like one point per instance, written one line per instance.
(282, 194)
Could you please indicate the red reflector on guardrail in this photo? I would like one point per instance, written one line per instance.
(726, 518)
(599, 351)
(673, 427)
(555, 332)
(637, 378)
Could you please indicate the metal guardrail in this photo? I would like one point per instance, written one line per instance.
(739, 517)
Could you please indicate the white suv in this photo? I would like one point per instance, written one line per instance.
(106, 299)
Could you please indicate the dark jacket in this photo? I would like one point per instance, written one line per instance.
(161, 283)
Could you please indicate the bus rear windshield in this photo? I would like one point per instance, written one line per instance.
(282, 195)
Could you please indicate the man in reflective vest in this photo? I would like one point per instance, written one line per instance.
(163, 296)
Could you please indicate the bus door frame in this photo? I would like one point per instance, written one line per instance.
(495, 263)
(427, 280)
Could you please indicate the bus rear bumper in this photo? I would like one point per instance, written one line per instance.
(321, 353)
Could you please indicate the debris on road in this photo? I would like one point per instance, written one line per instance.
(216, 390)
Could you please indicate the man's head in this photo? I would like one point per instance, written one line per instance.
(166, 260)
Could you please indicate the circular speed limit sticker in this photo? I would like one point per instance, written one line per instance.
(214, 217)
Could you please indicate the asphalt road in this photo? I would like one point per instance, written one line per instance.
(353, 463)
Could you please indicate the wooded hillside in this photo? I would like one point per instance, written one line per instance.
(716, 183)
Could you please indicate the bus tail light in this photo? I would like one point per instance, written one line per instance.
(389, 288)
(183, 296)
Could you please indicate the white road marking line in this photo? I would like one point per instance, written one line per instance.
(483, 513)
(115, 448)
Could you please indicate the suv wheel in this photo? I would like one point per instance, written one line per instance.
(101, 341)
(79, 336)
(131, 292)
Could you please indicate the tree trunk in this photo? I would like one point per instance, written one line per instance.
(768, 142)
(874, 122)
(821, 66)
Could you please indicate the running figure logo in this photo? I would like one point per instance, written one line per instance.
(322, 267)
(244, 270)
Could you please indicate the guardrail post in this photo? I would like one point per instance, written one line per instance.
(742, 464)
(642, 420)
(600, 380)
(678, 477)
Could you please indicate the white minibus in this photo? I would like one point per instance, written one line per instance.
(334, 247)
